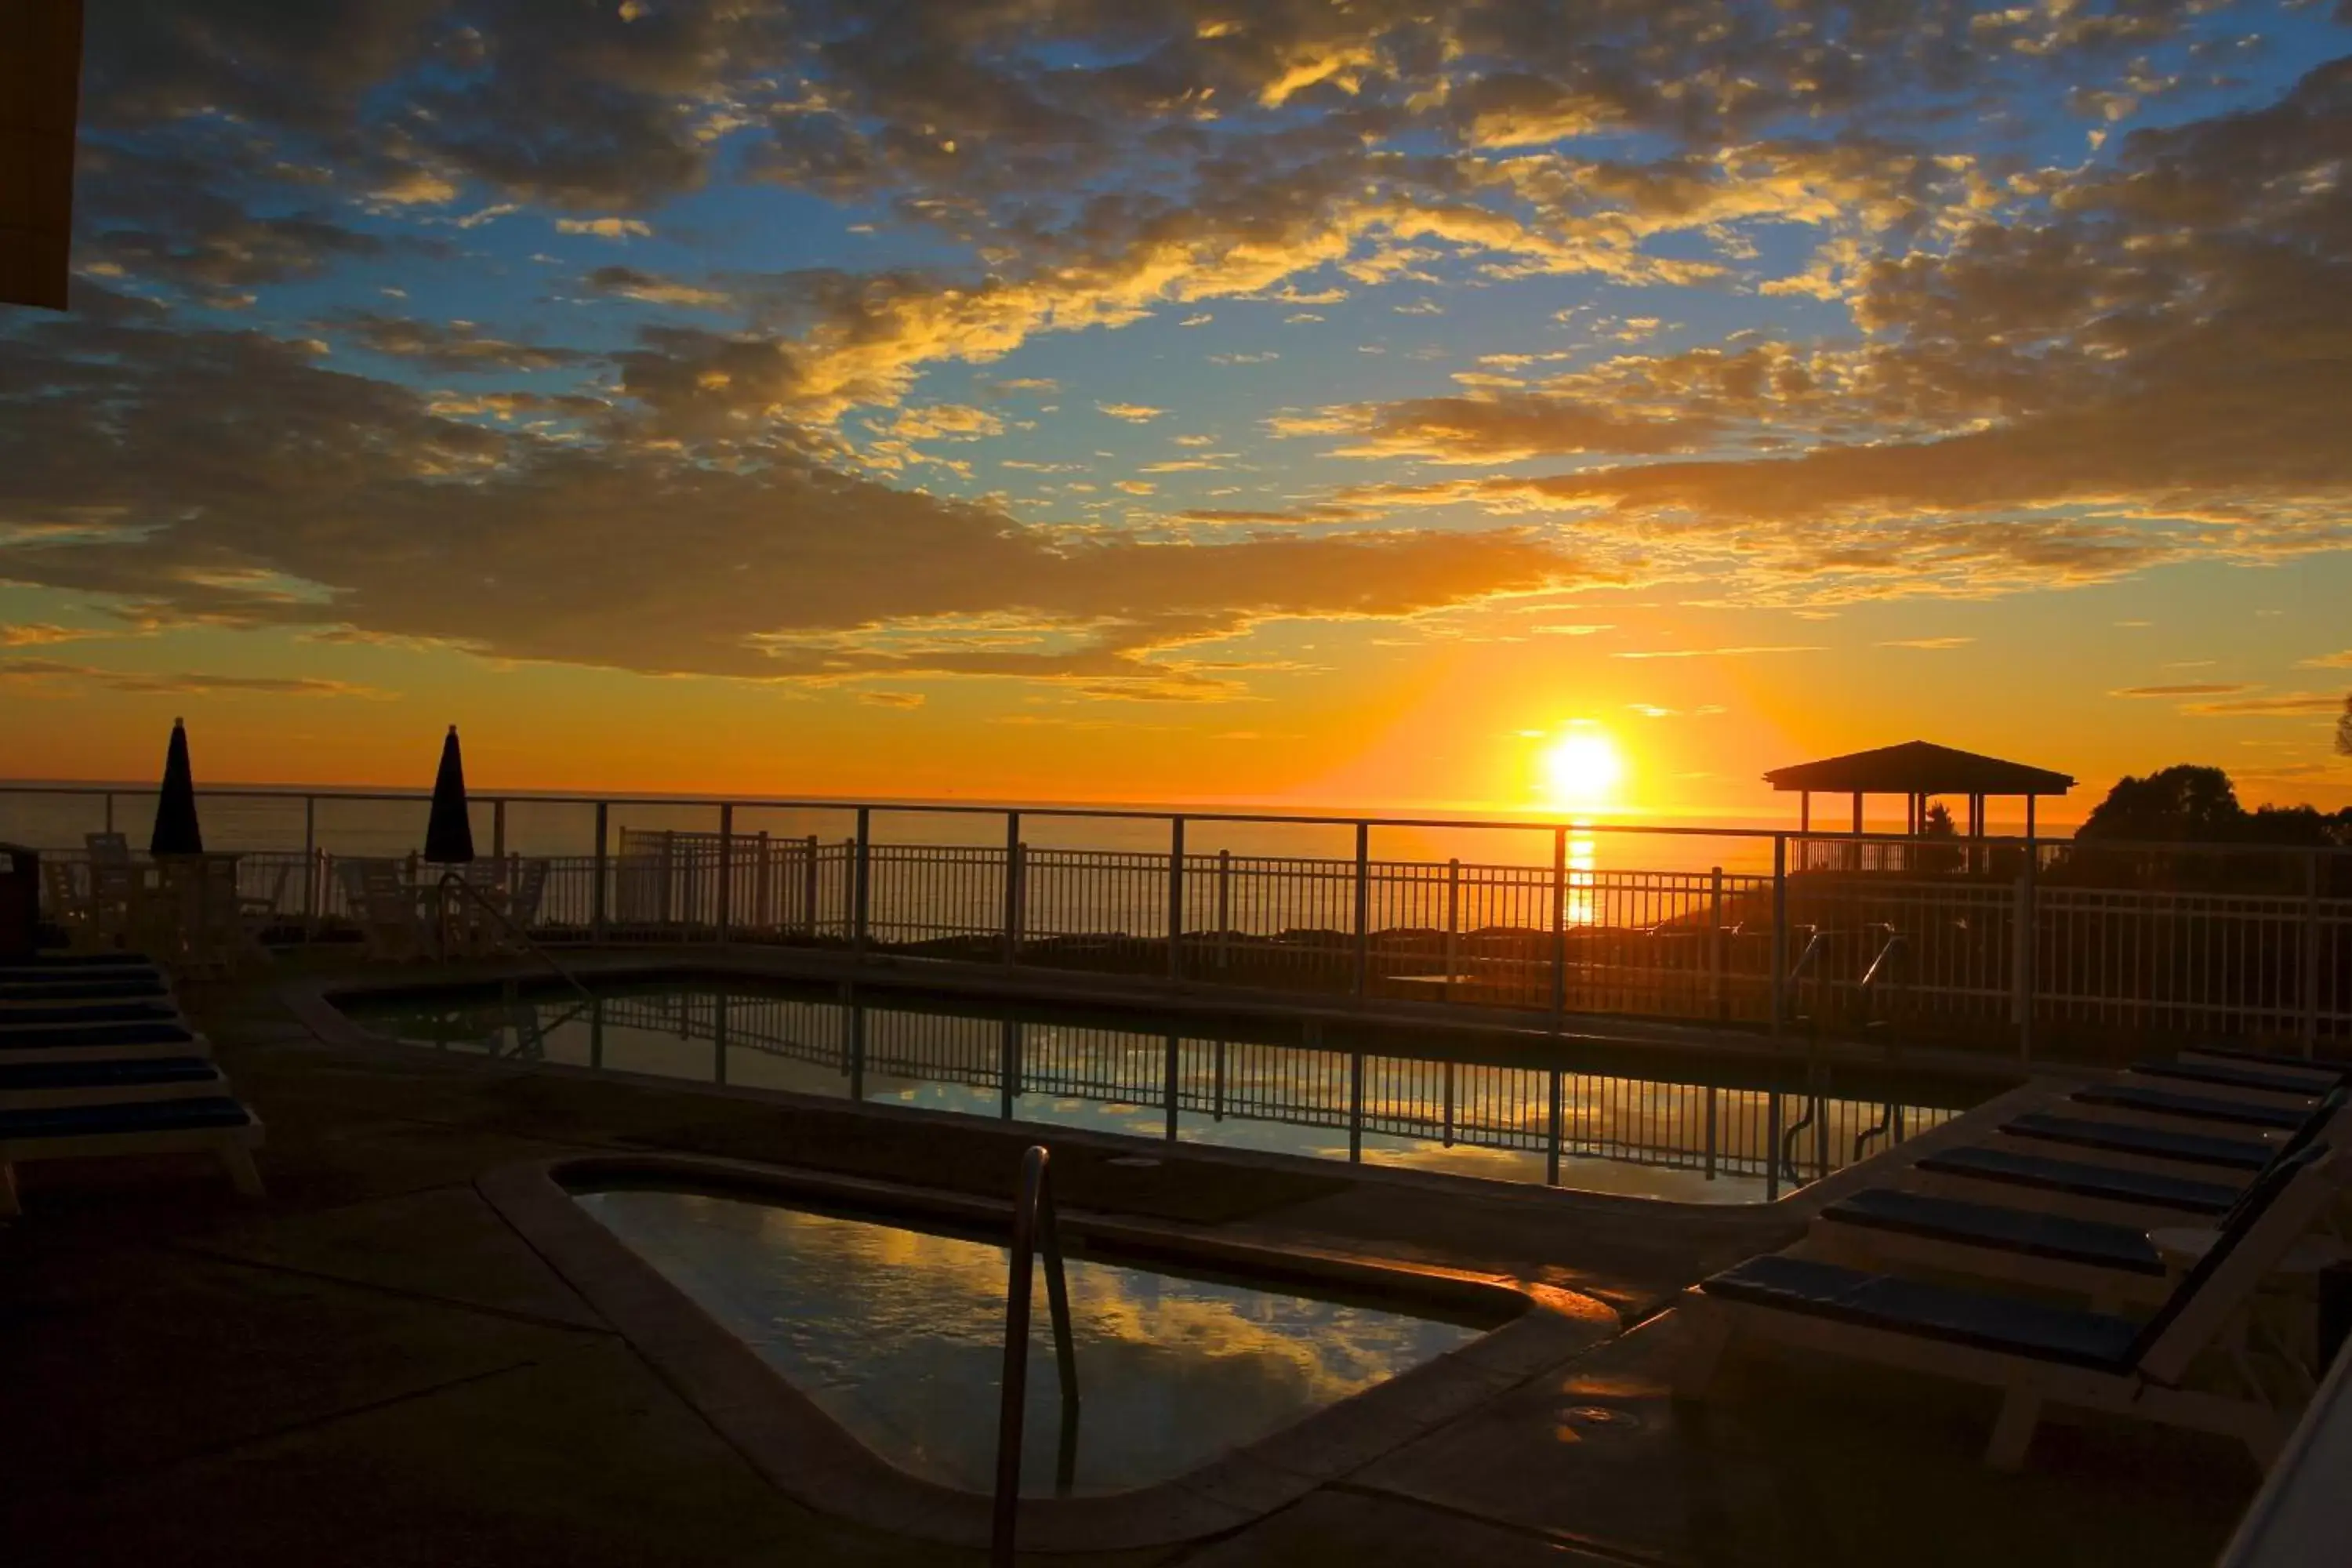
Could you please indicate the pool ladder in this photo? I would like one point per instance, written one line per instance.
(1033, 1229)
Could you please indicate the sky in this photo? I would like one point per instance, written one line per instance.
(1280, 401)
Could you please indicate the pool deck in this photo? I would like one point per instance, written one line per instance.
(371, 1366)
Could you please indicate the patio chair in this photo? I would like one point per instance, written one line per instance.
(220, 937)
(2038, 1356)
(216, 1125)
(524, 898)
(385, 907)
(75, 911)
(107, 848)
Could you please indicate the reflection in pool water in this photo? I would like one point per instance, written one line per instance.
(899, 1334)
(1247, 1087)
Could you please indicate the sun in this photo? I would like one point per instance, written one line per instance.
(1582, 768)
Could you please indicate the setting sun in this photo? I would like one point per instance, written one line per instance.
(1581, 768)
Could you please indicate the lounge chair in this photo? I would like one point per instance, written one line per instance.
(2001, 1173)
(2171, 1104)
(2270, 1061)
(100, 1080)
(217, 1126)
(123, 1042)
(2241, 1076)
(129, 986)
(2012, 1171)
(2037, 1355)
(2132, 1145)
(140, 1010)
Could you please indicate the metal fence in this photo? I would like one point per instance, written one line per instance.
(2010, 945)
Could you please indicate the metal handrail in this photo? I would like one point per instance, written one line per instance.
(1804, 960)
(451, 879)
(1788, 1139)
(1896, 942)
(1032, 1223)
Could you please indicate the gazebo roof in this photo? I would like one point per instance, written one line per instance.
(1919, 767)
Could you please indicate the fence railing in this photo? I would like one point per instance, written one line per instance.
(2007, 944)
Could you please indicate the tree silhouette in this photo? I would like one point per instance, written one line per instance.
(2344, 728)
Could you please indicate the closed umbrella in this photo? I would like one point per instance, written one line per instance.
(175, 808)
(449, 835)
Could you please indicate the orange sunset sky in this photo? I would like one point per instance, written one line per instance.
(1177, 401)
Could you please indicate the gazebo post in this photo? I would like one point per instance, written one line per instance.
(1804, 810)
(1855, 849)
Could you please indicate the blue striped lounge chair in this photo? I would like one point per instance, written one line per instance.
(2042, 1358)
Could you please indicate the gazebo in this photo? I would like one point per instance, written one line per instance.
(1918, 770)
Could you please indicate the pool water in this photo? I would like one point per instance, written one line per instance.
(898, 1335)
(1252, 1084)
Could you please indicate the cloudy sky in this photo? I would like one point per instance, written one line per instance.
(1284, 400)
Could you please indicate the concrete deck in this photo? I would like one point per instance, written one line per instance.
(370, 1367)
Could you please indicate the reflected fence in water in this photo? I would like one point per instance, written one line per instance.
(2008, 945)
(1180, 1084)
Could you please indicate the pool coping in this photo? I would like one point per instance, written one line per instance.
(812, 1458)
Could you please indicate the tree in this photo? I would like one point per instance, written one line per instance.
(2189, 804)
(2183, 804)
(2344, 728)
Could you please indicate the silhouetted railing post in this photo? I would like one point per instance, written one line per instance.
(1551, 1133)
(1175, 897)
(310, 867)
(1779, 929)
(1225, 906)
(596, 891)
(811, 888)
(110, 810)
(1363, 907)
(1715, 944)
(1453, 936)
(2311, 952)
(725, 872)
(861, 882)
(2021, 959)
(1559, 924)
(1356, 1106)
(763, 884)
(1012, 886)
(498, 831)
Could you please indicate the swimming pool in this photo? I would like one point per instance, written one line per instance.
(896, 1331)
(1543, 1114)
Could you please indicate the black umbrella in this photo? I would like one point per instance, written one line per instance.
(450, 837)
(175, 808)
